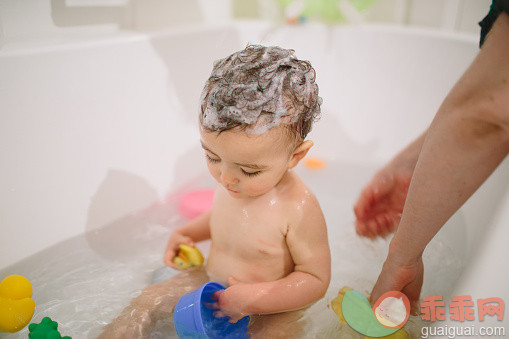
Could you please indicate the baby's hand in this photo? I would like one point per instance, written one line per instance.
(172, 248)
(232, 301)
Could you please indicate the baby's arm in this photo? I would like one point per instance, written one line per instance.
(309, 247)
(196, 230)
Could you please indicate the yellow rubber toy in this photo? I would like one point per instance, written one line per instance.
(188, 256)
(16, 306)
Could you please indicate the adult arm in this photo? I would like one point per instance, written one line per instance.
(466, 141)
(380, 205)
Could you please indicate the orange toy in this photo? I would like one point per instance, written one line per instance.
(314, 163)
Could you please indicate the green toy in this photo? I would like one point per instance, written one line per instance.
(327, 10)
(47, 329)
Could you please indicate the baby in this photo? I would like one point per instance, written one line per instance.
(269, 238)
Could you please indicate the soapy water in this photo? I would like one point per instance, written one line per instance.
(85, 282)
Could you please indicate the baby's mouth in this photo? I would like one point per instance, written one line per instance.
(229, 189)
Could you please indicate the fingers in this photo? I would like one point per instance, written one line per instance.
(213, 306)
(395, 277)
(413, 292)
(216, 295)
(380, 288)
(375, 191)
(172, 248)
(168, 258)
(361, 228)
(372, 228)
(384, 224)
(188, 241)
(370, 207)
(231, 318)
(395, 219)
(381, 224)
(364, 203)
(170, 253)
(219, 314)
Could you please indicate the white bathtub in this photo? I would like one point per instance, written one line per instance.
(100, 136)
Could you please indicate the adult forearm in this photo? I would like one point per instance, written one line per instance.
(457, 157)
(466, 141)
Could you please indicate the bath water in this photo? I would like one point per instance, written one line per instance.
(85, 282)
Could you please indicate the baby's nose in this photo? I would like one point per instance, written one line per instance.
(228, 178)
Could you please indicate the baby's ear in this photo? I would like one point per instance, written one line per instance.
(300, 152)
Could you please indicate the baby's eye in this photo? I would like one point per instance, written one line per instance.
(212, 160)
(251, 174)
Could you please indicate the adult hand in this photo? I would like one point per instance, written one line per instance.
(380, 204)
(400, 275)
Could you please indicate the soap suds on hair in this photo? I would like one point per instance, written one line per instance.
(260, 88)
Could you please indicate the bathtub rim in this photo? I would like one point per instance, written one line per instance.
(73, 41)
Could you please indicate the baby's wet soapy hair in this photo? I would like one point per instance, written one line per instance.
(259, 88)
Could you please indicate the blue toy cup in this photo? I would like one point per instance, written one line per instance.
(193, 319)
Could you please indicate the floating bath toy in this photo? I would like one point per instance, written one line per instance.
(16, 306)
(392, 309)
(336, 303)
(188, 256)
(196, 203)
(193, 319)
(47, 329)
(355, 310)
(314, 163)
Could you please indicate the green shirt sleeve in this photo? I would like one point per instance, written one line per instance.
(497, 7)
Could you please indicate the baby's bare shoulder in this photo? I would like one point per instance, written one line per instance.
(306, 222)
(299, 197)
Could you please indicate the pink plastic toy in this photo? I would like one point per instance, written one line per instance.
(195, 203)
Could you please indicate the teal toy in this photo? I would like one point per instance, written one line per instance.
(47, 329)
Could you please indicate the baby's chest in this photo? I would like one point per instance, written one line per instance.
(250, 234)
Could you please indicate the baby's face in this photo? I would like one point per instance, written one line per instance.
(246, 165)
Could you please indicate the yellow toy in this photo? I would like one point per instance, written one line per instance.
(188, 256)
(16, 305)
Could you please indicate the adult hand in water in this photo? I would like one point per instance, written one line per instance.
(232, 301)
(400, 274)
(380, 204)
